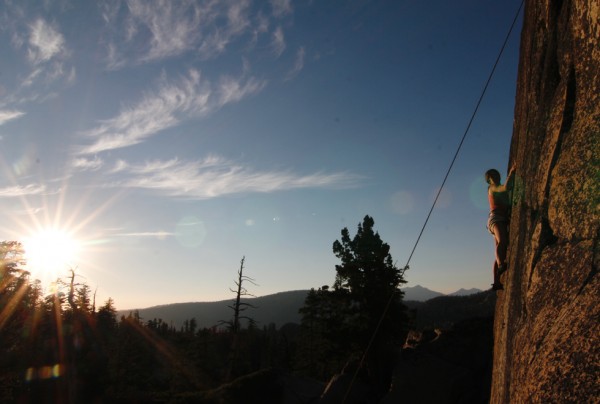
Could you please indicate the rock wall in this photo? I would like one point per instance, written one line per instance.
(547, 322)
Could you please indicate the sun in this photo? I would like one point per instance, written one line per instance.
(50, 252)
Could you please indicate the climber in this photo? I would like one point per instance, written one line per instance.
(498, 196)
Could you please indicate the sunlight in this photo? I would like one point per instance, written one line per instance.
(50, 252)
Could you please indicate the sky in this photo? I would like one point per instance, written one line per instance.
(150, 145)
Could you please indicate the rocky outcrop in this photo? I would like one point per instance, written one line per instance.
(447, 366)
(547, 320)
(439, 366)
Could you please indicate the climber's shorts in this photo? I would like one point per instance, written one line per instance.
(494, 218)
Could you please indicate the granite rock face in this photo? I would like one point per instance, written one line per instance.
(547, 320)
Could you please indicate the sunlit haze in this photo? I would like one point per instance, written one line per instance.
(150, 145)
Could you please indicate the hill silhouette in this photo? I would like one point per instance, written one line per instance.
(419, 293)
(445, 311)
(281, 308)
(465, 292)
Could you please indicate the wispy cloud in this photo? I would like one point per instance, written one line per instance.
(218, 36)
(44, 48)
(119, 166)
(45, 42)
(234, 89)
(215, 176)
(155, 112)
(173, 26)
(298, 64)
(85, 164)
(18, 190)
(278, 42)
(281, 8)
(142, 31)
(238, 17)
(146, 31)
(260, 27)
(190, 96)
(9, 115)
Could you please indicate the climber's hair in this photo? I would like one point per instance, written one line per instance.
(493, 174)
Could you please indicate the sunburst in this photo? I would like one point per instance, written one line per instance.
(51, 251)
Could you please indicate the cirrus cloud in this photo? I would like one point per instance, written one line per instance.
(188, 97)
(20, 190)
(146, 31)
(215, 176)
(9, 115)
(45, 42)
(298, 64)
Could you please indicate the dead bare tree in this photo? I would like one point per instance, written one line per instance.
(238, 308)
(78, 293)
(71, 295)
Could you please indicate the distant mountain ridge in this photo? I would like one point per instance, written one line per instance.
(445, 311)
(419, 293)
(278, 309)
(465, 292)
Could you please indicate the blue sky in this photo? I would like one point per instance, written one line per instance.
(162, 141)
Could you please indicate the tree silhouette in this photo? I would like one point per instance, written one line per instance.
(326, 339)
(372, 282)
(362, 316)
(15, 314)
(234, 324)
(238, 306)
(367, 267)
(367, 272)
(12, 275)
(61, 348)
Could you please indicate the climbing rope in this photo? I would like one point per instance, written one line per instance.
(464, 136)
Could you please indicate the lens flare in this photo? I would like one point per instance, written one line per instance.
(50, 251)
(402, 202)
(190, 232)
(478, 193)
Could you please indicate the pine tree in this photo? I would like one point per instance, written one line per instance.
(367, 272)
(372, 281)
(363, 307)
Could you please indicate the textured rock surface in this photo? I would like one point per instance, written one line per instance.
(547, 322)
